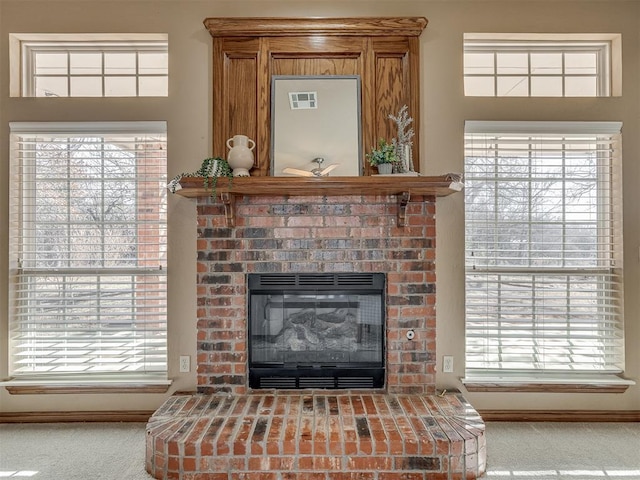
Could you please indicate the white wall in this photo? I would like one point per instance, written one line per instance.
(444, 110)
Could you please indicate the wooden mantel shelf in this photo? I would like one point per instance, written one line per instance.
(438, 186)
(401, 186)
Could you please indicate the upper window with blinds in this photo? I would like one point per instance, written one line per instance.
(88, 248)
(537, 65)
(89, 65)
(543, 247)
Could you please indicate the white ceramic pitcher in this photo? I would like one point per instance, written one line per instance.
(240, 156)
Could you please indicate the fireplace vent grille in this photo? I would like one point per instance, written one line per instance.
(317, 382)
(340, 382)
(356, 382)
(313, 280)
(278, 382)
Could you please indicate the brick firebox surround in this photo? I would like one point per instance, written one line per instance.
(431, 438)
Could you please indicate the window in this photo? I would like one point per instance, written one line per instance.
(88, 249)
(538, 65)
(90, 65)
(543, 245)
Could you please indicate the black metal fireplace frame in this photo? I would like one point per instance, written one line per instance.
(365, 375)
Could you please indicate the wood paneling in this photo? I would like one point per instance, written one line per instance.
(390, 94)
(487, 416)
(247, 52)
(315, 66)
(84, 388)
(242, 97)
(545, 387)
(560, 415)
(93, 416)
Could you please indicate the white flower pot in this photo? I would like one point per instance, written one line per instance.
(385, 168)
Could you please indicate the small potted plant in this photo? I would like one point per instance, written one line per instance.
(383, 156)
(211, 169)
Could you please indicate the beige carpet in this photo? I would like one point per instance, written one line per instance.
(516, 451)
(72, 451)
(551, 451)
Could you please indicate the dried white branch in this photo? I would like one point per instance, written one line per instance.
(403, 142)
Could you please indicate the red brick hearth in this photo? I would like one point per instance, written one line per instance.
(316, 436)
(228, 431)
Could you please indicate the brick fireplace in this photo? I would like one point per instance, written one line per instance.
(316, 234)
(402, 431)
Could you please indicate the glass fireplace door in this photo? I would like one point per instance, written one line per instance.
(318, 334)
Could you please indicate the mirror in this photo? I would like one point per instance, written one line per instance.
(313, 118)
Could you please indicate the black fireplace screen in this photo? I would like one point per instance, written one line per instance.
(316, 330)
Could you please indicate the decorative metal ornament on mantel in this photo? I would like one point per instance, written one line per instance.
(403, 142)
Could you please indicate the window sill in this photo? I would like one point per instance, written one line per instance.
(76, 386)
(549, 383)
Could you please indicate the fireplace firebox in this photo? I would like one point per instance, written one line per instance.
(316, 330)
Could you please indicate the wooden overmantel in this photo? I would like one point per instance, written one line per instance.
(403, 187)
(249, 51)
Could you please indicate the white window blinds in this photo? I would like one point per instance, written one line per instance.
(88, 249)
(543, 247)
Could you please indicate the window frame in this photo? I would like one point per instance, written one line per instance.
(606, 46)
(509, 379)
(23, 48)
(23, 225)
